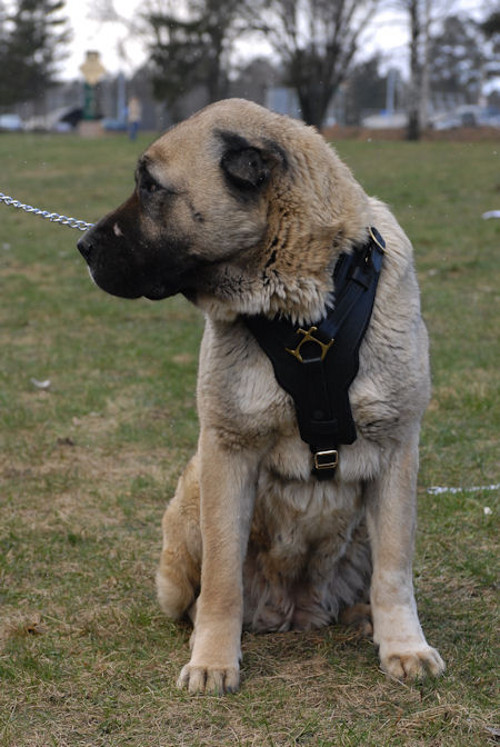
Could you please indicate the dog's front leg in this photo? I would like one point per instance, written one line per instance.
(227, 492)
(403, 650)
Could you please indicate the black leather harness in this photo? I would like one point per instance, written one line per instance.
(316, 366)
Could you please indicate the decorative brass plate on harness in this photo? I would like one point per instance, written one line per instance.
(309, 337)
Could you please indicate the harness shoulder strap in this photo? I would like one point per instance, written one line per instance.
(316, 366)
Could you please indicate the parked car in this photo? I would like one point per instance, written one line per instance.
(10, 123)
(466, 116)
(64, 119)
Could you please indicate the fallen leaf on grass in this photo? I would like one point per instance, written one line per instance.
(41, 384)
(65, 441)
(35, 628)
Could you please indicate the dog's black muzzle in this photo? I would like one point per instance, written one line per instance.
(112, 264)
(125, 263)
(85, 247)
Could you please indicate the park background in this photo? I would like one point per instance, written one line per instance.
(401, 64)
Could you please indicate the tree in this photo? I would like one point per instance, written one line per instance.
(457, 59)
(32, 39)
(418, 17)
(491, 30)
(418, 14)
(316, 42)
(192, 48)
(366, 91)
(491, 26)
(422, 16)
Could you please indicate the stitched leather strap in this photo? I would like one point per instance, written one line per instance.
(317, 365)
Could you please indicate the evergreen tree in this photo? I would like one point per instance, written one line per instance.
(491, 30)
(491, 26)
(32, 40)
(457, 58)
(366, 91)
(192, 48)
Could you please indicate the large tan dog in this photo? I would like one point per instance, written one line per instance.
(246, 212)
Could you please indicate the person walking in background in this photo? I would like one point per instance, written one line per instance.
(134, 114)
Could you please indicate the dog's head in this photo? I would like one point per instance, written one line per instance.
(236, 204)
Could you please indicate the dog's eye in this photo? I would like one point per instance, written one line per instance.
(149, 185)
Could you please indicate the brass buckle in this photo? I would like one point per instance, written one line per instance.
(309, 337)
(331, 459)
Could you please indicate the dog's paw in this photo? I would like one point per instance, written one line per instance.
(203, 680)
(413, 664)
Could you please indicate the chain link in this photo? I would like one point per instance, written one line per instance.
(81, 225)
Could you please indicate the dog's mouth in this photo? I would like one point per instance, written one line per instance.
(134, 287)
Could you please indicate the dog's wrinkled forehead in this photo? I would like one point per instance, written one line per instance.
(181, 158)
(189, 156)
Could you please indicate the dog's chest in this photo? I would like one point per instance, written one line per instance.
(237, 390)
(238, 395)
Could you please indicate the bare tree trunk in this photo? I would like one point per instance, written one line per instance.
(314, 100)
(425, 92)
(413, 132)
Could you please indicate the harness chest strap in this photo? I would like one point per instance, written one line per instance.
(317, 365)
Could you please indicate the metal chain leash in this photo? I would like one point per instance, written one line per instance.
(81, 225)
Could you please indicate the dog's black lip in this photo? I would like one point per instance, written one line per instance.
(159, 294)
(158, 291)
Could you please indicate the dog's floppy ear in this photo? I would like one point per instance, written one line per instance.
(246, 166)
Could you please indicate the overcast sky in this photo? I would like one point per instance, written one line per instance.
(389, 36)
(102, 37)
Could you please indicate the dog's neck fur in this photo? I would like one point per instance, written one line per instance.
(301, 300)
(292, 283)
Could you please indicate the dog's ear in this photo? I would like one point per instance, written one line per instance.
(245, 165)
(245, 168)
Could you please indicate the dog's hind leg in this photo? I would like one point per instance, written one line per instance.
(358, 617)
(178, 574)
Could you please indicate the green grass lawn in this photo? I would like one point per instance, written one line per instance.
(87, 465)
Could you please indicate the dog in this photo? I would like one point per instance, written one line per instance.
(247, 213)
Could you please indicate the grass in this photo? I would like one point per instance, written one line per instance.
(87, 465)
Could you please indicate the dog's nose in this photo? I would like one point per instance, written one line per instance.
(85, 247)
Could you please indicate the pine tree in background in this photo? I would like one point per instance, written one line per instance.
(491, 26)
(457, 57)
(191, 44)
(32, 42)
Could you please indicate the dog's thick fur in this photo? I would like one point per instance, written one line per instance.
(246, 212)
